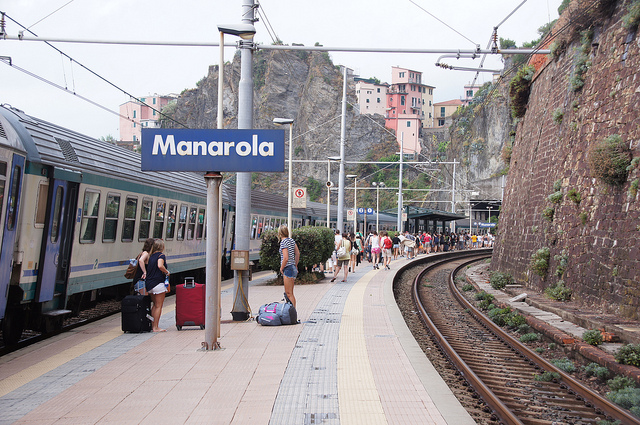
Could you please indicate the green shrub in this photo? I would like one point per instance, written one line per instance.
(483, 295)
(467, 287)
(582, 61)
(539, 350)
(315, 244)
(548, 213)
(620, 382)
(530, 337)
(594, 369)
(524, 328)
(519, 90)
(608, 160)
(501, 316)
(557, 116)
(540, 261)
(558, 292)
(633, 188)
(555, 197)
(557, 185)
(583, 217)
(499, 280)
(564, 365)
(628, 398)
(607, 422)
(562, 260)
(553, 346)
(574, 196)
(632, 17)
(592, 337)
(547, 376)
(629, 354)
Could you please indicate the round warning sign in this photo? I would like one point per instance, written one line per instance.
(300, 192)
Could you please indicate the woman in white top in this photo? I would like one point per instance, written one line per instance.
(375, 249)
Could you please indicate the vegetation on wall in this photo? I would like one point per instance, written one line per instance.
(519, 90)
(583, 63)
(540, 261)
(609, 159)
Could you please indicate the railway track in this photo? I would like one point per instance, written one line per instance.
(498, 368)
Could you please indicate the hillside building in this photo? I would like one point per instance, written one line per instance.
(141, 115)
(372, 96)
(444, 111)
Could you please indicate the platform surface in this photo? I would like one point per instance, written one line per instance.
(352, 360)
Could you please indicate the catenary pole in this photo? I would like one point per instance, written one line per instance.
(343, 131)
(243, 180)
(400, 222)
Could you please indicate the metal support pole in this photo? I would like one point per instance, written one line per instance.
(377, 207)
(290, 196)
(212, 289)
(400, 222)
(328, 193)
(453, 196)
(343, 130)
(243, 181)
(355, 205)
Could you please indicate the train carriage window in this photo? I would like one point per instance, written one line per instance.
(182, 221)
(111, 214)
(145, 219)
(192, 223)
(89, 216)
(57, 209)
(130, 211)
(41, 205)
(254, 226)
(158, 225)
(171, 221)
(200, 228)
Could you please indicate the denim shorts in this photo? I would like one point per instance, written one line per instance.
(290, 271)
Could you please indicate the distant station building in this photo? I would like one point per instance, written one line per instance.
(444, 111)
(372, 96)
(136, 115)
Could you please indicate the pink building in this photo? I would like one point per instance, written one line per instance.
(405, 106)
(141, 115)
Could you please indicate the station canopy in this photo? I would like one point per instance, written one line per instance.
(428, 214)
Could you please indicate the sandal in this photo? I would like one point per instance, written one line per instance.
(333, 280)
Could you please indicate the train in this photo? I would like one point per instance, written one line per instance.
(75, 209)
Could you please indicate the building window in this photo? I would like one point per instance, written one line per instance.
(154, 100)
(378, 89)
(430, 91)
(442, 111)
(469, 93)
(135, 139)
(134, 114)
(430, 115)
(378, 101)
(401, 75)
(367, 100)
(429, 103)
(408, 123)
(440, 123)
(401, 100)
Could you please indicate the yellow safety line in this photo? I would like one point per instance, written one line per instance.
(27, 375)
(358, 396)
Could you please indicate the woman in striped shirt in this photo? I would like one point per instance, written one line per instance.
(289, 256)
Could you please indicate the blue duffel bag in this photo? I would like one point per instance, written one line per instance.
(275, 314)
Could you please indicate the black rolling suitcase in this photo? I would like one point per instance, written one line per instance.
(136, 313)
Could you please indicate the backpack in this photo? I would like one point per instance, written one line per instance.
(387, 243)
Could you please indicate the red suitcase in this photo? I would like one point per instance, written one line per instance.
(190, 304)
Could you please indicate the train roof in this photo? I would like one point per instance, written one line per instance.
(49, 144)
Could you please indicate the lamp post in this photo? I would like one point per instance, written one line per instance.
(329, 184)
(378, 185)
(246, 31)
(489, 218)
(283, 121)
(355, 209)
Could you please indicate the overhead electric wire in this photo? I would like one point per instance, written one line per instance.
(33, 25)
(97, 75)
(444, 23)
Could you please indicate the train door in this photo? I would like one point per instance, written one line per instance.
(11, 205)
(57, 241)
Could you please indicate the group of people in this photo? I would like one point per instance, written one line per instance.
(152, 269)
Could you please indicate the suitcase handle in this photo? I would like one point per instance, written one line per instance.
(189, 282)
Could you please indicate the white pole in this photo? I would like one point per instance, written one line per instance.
(289, 196)
(343, 130)
(355, 205)
(212, 288)
(328, 193)
(400, 222)
(377, 206)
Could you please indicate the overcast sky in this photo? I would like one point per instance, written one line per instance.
(147, 70)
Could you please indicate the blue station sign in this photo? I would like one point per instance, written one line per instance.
(212, 150)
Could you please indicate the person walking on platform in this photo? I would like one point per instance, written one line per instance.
(387, 246)
(353, 253)
(375, 249)
(289, 257)
(343, 257)
(156, 274)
